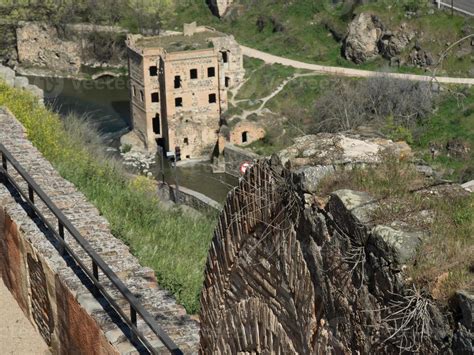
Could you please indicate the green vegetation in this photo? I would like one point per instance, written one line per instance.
(264, 80)
(173, 244)
(452, 124)
(444, 262)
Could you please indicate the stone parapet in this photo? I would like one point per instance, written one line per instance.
(50, 291)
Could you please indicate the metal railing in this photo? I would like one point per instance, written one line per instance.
(97, 262)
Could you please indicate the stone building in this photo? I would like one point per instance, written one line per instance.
(179, 85)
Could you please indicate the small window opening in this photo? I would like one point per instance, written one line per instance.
(155, 97)
(153, 70)
(225, 57)
(134, 91)
(186, 141)
(156, 124)
(141, 95)
(212, 98)
(178, 102)
(193, 73)
(177, 82)
(245, 137)
(211, 72)
(227, 81)
(188, 157)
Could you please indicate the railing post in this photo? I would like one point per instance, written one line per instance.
(133, 319)
(95, 272)
(3, 176)
(31, 194)
(61, 235)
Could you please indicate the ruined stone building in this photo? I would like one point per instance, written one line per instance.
(179, 85)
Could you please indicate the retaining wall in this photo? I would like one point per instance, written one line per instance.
(50, 292)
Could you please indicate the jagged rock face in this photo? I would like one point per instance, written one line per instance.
(288, 275)
(362, 39)
(219, 7)
(393, 43)
(39, 45)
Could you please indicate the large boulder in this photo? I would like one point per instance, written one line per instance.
(363, 37)
(393, 43)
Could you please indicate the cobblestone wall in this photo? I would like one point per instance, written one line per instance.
(50, 292)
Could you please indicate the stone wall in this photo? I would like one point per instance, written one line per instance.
(50, 291)
(187, 197)
(234, 156)
(289, 272)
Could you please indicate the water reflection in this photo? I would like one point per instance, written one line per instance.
(106, 103)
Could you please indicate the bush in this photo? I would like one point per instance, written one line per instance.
(174, 245)
(360, 102)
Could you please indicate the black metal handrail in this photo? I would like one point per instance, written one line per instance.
(97, 261)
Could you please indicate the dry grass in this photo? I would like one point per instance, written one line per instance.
(445, 261)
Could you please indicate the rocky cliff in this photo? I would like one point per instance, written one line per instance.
(291, 272)
(41, 45)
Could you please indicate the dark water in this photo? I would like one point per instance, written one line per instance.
(106, 103)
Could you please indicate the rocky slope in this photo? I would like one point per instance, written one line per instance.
(291, 272)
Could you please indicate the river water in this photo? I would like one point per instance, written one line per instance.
(106, 103)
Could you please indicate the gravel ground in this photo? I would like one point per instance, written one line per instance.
(17, 335)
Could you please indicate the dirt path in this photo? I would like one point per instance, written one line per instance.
(339, 71)
(263, 100)
(17, 335)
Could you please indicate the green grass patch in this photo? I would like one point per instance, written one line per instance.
(173, 244)
(264, 80)
(453, 121)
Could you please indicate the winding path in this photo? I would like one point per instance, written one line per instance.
(339, 71)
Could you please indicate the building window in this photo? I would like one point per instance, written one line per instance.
(178, 102)
(245, 137)
(156, 124)
(177, 81)
(227, 81)
(212, 98)
(188, 157)
(211, 72)
(153, 70)
(155, 97)
(225, 57)
(186, 141)
(134, 91)
(193, 73)
(141, 96)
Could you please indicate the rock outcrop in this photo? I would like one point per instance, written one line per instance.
(219, 7)
(39, 45)
(368, 37)
(363, 37)
(393, 43)
(288, 273)
(314, 156)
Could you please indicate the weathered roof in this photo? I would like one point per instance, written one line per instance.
(178, 43)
